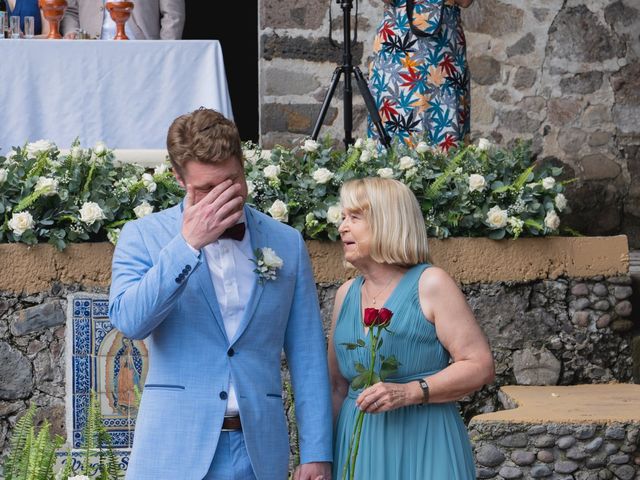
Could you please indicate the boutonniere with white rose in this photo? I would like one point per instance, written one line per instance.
(267, 264)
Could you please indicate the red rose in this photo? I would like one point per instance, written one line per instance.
(384, 317)
(370, 317)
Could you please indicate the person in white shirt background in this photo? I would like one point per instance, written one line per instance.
(150, 20)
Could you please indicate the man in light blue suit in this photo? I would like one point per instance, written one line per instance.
(185, 280)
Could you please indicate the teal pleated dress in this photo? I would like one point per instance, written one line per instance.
(426, 442)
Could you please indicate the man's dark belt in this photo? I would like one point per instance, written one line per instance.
(230, 424)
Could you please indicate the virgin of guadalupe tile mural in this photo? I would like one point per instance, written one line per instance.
(125, 367)
(104, 361)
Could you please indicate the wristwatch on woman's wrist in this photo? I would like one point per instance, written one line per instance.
(425, 391)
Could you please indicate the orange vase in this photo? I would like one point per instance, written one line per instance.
(120, 13)
(53, 11)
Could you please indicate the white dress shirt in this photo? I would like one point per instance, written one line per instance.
(232, 275)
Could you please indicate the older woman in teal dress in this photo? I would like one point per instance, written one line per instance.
(412, 429)
(419, 75)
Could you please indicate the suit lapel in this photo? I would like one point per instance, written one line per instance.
(258, 240)
(203, 278)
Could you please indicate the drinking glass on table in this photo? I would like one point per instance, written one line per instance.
(14, 26)
(3, 24)
(29, 27)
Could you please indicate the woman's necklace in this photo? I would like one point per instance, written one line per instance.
(373, 297)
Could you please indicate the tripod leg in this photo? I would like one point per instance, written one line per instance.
(327, 100)
(371, 107)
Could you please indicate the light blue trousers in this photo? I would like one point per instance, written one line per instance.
(231, 460)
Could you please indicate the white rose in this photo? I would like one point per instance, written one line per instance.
(310, 145)
(33, 149)
(406, 163)
(265, 154)
(365, 156)
(270, 258)
(251, 187)
(271, 171)
(497, 218)
(411, 172)
(4, 173)
(91, 212)
(359, 143)
(160, 169)
(250, 155)
(477, 183)
(279, 211)
(147, 181)
(561, 202)
(322, 175)
(552, 221)
(422, 147)
(483, 144)
(548, 183)
(143, 210)
(100, 148)
(334, 215)
(385, 172)
(47, 186)
(76, 152)
(21, 222)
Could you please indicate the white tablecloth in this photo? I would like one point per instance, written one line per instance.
(125, 93)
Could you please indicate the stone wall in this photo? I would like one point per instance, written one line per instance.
(565, 73)
(32, 355)
(572, 451)
(563, 331)
(552, 328)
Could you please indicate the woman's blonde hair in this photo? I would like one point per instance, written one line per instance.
(398, 232)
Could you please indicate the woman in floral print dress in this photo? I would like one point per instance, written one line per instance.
(421, 83)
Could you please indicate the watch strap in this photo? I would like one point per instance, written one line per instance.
(425, 390)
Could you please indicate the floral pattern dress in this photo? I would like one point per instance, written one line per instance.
(421, 84)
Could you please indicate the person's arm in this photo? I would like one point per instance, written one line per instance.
(339, 385)
(305, 349)
(172, 14)
(142, 292)
(458, 331)
(70, 22)
(463, 3)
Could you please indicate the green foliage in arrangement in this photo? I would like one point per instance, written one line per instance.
(79, 197)
(480, 190)
(32, 455)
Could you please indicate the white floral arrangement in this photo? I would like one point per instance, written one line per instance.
(479, 190)
(77, 197)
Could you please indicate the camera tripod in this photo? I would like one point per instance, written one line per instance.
(347, 68)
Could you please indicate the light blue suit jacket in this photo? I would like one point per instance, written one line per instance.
(162, 292)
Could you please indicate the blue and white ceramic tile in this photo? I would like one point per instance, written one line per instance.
(77, 457)
(103, 361)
